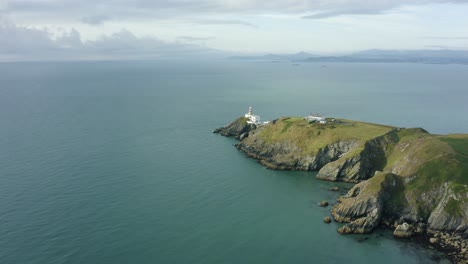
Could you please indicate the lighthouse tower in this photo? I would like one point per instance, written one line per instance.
(252, 119)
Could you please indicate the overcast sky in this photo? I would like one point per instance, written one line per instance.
(80, 29)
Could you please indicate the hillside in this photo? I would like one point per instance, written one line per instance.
(402, 175)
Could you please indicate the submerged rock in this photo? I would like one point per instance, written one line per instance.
(334, 189)
(362, 239)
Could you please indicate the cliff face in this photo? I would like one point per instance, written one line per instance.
(363, 206)
(403, 175)
(238, 128)
(286, 155)
(362, 164)
(295, 144)
(451, 213)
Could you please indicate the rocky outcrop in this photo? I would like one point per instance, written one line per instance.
(323, 204)
(451, 213)
(346, 160)
(238, 128)
(453, 244)
(331, 161)
(359, 166)
(333, 152)
(403, 230)
(362, 207)
(277, 156)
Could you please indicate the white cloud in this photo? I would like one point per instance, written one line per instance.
(232, 25)
(21, 43)
(98, 11)
(217, 21)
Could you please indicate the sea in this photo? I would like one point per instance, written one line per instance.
(116, 162)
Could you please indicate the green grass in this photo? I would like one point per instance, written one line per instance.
(458, 142)
(397, 199)
(286, 127)
(453, 207)
(311, 137)
(416, 148)
(459, 159)
(374, 184)
(458, 188)
(435, 173)
(242, 120)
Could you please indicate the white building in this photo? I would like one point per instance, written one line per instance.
(317, 118)
(252, 119)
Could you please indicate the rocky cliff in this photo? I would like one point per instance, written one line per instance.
(403, 175)
(363, 206)
(238, 128)
(343, 151)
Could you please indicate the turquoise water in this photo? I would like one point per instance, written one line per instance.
(116, 163)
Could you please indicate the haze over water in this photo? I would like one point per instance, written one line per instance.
(116, 163)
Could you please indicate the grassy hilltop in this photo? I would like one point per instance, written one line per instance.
(437, 158)
(313, 136)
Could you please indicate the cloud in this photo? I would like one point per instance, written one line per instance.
(194, 39)
(333, 13)
(21, 43)
(95, 19)
(272, 25)
(211, 21)
(98, 11)
(446, 38)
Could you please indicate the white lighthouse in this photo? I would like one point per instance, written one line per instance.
(251, 118)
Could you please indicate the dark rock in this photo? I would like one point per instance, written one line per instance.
(243, 136)
(420, 228)
(236, 128)
(323, 203)
(327, 220)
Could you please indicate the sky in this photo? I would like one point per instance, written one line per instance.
(100, 29)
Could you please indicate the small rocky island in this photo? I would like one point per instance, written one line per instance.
(407, 179)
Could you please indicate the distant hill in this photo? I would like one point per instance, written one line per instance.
(374, 56)
(276, 57)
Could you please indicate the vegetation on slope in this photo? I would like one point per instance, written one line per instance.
(311, 137)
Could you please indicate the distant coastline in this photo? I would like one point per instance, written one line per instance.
(370, 56)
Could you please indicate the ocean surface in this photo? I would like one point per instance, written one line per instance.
(115, 162)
